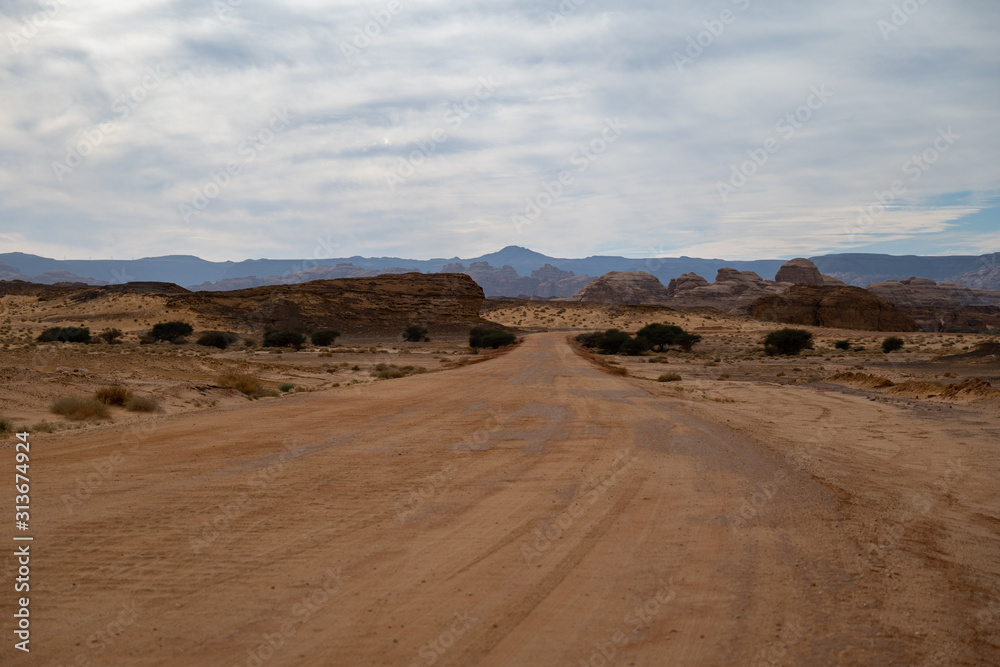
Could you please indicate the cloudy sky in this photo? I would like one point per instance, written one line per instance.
(739, 129)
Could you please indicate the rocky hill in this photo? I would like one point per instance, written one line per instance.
(378, 305)
(634, 288)
(839, 307)
(942, 306)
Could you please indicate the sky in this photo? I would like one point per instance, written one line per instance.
(735, 129)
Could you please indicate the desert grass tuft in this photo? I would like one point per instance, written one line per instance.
(115, 394)
(79, 409)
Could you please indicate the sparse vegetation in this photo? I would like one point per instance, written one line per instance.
(111, 336)
(482, 337)
(842, 344)
(219, 339)
(65, 335)
(788, 342)
(171, 332)
(246, 384)
(286, 387)
(79, 409)
(115, 394)
(6, 426)
(283, 338)
(892, 343)
(142, 404)
(391, 371)
(416, 333)
(324, 337)
(669, 377)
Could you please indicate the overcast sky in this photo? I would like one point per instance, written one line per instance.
(738, 129)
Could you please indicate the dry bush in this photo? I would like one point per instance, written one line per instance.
(115, 394)
(246, 384)
(79, 409)
(6, 426)
(669, 377)
(142, 404)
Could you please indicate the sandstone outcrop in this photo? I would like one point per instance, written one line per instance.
(799, 270)
(636, 288)
(839, 307)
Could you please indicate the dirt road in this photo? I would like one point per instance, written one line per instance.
(529, 510)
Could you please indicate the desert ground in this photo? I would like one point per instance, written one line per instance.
(537, 506)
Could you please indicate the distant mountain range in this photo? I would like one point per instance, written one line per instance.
(513, 271)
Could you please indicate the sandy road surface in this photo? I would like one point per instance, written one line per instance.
(530, 510)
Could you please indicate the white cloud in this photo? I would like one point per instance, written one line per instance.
(352, 121)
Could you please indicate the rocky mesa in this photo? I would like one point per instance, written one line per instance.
(838, 307)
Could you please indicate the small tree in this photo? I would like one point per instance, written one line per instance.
(283, 338)
(633, 347)
(686, 340)
(660, 335)
(788, 341)
(110, 336)
(613, 341)
(589, 340)
(324, 337)
(842, 344)
(892, 343)
(415, 333)
(170, 331)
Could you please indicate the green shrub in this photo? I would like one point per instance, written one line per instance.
(669, 377)
(110, 336)
(481, 337)
(286, 386)
(324, 337)
(892, 343)
(65, 335)
(79, 409)
(219, 339)
(590, 340)
(686, 340)
(115, 394)
(635, 346)
(416, 333)
(612, 341)
(787, 341)
(142, 404)
(283, 338)
(842, 344)
(660, 335)
(170, 331)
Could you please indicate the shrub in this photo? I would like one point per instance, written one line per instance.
(170, 331)
(246, 384)
(110, 336)
(613, 340)
(842, 344)
(635, 346)
(660, 335)
(480, 337)
(286, 386)
(892, 343)
(115, 394)
(142, 404)
(283, 338)
(416, 333)
(686, 341)
(387, 372)
(590, 340)
(669, 377)
(788, 341)
(65, 335)
(79, 409)
(219, 339)
(6, 426)
(324, 337)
